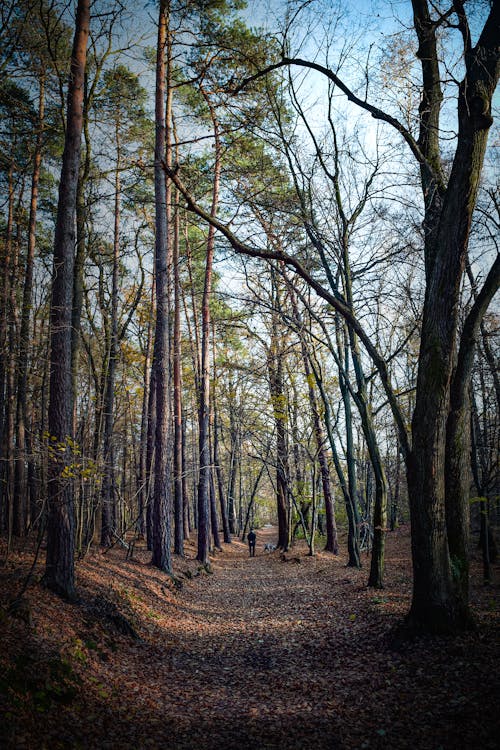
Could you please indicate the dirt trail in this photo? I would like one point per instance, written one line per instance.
(293, 653)
(251, 644)
(266, 652)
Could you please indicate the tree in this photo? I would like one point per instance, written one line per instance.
(59, 566)
(204, 394)
(439, 515)
(161, 499)
(121, 101)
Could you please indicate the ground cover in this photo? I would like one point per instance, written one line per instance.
(271, 652)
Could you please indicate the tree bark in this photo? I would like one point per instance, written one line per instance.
(21, 482)
(438, 598)
(161, 500)
(217, 465)
(331, 526)
(204, 397)
(108, 523)
(278, 399)
(59, 567)
(177, 375)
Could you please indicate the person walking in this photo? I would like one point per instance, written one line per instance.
(252, 538)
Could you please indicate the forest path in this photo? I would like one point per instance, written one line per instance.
(254, 640)
(266, 653)
(291, 654)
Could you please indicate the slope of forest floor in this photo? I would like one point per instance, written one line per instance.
(262, 652)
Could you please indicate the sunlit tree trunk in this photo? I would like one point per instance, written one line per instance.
(204, 396)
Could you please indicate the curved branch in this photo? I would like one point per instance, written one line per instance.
(375, 112)
(344, 310)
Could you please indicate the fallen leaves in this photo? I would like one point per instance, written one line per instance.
(260, 653)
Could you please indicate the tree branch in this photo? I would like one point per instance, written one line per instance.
(375, 112)
(344, 310)
(470, 333)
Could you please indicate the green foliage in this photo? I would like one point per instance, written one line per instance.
(67, 453)
(458, 567)
(42, 684)
(17, 120)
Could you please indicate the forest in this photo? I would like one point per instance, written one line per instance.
(250, 266)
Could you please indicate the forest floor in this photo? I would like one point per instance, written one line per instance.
(265, 653)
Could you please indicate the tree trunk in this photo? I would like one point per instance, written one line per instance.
(438, 597)
(217, 465)
(161, 500)
(59, 567)
(142, 479)
(278, 398)
(7, 335)
(351, 498)
(458, 439)
(187, 525)
(177, 374)
(21, 481)
(331, 527)
(108, 523)
(204, 397)
(233, 469)
(213, 513)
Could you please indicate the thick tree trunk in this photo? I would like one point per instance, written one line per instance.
(59, 567)
(161, 500)
(438, 597)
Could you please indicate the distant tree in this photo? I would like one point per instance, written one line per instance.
(121, 102)
(437, 455)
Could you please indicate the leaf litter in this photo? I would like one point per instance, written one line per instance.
(265, 652)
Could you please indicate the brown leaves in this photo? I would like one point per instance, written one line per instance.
(260, 652)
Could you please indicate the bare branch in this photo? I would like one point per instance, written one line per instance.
(375, 112)
(339, 305)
